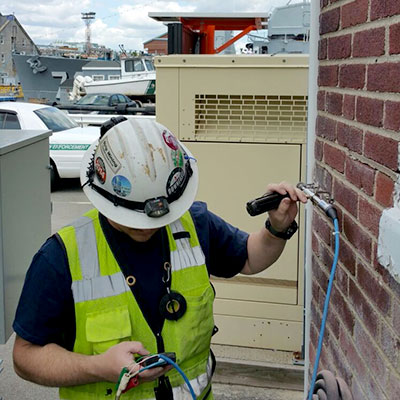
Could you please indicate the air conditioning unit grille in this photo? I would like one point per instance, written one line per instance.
(266, 118)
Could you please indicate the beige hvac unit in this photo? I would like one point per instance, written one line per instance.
(244, 118)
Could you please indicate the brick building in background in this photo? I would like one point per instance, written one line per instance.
(357, 160)
(157, 45)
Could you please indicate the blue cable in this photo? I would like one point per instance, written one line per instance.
(176, 366)
(326, 306)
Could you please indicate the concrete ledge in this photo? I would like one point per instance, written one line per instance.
(257, 374)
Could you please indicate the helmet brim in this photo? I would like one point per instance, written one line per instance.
(137, 219)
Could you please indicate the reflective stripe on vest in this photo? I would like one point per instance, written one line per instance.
(103, 299)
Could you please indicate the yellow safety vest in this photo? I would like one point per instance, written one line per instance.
(107, 313)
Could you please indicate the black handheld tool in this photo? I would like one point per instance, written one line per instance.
(157, 359)
(262, 204)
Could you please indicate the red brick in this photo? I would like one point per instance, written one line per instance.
(352, 354)
(328, 75)
(390, 344)
(384, 77)
(396, 318)
(349, 137)
(369, 216)
(369, 111)
(343, 310)
(363, 309)
(384, 8)
(322, 228)
(319, 276)
(352, 76)
(346, 197)
(323, 178)
(381, 149)
(315, 244)
(360, 175)
(329, 21)
(341, 276)
(339, 364)
(349, 106)
(354, 13)
(347, 257)
(322, 49)
(394, 39)
(370, 351)
(318, 150)
(321, 100)
(393, 384)
(334, 157)
(339, 47)
(384, 190)
(373, 289)
(334, 102)
(324, 3)
(392, 115)
(326, 128)
(369, 43)
(357, 237)
(333, 323)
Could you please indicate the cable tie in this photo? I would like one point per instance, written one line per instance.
(335, 233)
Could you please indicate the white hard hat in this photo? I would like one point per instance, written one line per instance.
(138, 174)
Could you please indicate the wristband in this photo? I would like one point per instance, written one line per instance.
(285, 235)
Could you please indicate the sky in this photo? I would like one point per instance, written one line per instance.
(117, 22)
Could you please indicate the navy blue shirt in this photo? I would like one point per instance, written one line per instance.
(46, 313)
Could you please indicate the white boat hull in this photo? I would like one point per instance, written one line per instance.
(127, 86)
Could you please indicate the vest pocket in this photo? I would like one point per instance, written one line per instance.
(107, 328)
(197, 323)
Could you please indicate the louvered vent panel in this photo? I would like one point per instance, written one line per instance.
(264, 118)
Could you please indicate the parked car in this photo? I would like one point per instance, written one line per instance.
(68, 142)
(106, 99)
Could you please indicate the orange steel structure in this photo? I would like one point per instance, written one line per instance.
(205, 26)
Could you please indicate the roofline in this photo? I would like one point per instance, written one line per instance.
(21, 27)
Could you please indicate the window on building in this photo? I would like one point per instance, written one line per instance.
(1, 39)
(14, 31)
(3, 58)
(23, 42)
(113, 77)
(98, 77)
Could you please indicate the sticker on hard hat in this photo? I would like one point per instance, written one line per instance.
(100, 170)
(121, 185)
(170, 140)
(175, 180)
(111, 160)
(177, 158)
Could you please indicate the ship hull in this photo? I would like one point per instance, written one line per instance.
(41, 76)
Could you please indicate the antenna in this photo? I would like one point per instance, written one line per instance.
(88, 19)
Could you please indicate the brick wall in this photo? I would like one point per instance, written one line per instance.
(356, 154)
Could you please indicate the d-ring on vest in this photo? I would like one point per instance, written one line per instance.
(107, 313)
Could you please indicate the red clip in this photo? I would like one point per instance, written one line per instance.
(133, 382)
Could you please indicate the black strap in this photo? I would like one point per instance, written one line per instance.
(181, 235)
(164, 389)
(131, 204)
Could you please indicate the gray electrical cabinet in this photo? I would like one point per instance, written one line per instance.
(25, 212)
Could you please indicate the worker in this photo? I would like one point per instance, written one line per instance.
(131, 277)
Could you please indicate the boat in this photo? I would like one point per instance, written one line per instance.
(41, 76)
(138, 78)
(288, 31)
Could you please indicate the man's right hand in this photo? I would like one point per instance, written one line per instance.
(122, 355)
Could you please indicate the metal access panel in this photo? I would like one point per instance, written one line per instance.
(244, 118)
(25, 213)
